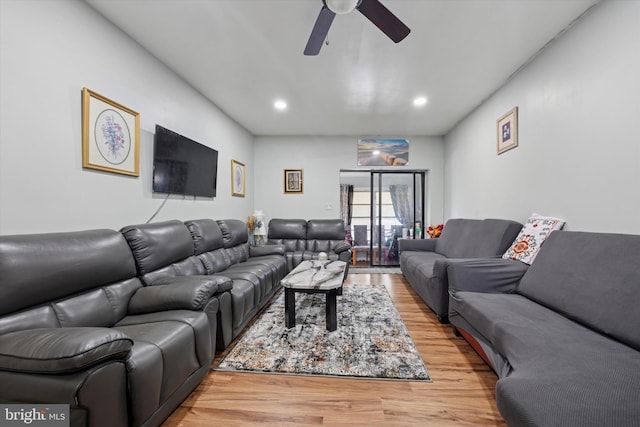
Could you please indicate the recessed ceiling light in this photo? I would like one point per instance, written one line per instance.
(420, 101)
(280, 105)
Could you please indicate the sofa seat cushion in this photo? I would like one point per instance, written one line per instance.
(163, 356)
(61, 350)
(259, 275)
(561, 373)
(277, 264)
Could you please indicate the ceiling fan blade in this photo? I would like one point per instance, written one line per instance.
(320, 31)
(382, 18)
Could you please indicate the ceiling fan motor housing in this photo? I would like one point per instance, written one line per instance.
(342, 7)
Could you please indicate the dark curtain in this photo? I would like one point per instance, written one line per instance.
(346, 208)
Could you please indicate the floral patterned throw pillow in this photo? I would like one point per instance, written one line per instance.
(533, 234)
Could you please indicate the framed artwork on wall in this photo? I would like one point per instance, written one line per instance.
(237, 179)
(293, 181)
(383, 152)
(508, 131)
(110, 135)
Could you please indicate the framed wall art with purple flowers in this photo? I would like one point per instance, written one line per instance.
(110, 135)
(508, 131)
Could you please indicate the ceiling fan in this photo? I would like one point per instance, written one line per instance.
(373, 10)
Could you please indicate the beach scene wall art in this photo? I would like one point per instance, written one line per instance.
(383, 152)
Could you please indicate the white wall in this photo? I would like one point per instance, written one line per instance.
(322, 158)
(49, 51)
(579, 151)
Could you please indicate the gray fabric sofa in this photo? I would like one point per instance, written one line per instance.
(215, 249)
(424, 262)
(564, 338)
(78, 327)
(304, 240)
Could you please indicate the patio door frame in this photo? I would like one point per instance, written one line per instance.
(418, 181)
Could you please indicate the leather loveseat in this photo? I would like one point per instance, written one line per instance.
(303, 240)
(564, 338)
(424, 262)
(78, 327)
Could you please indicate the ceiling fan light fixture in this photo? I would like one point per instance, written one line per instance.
(341, 7)
(420, 101)
(280, 105)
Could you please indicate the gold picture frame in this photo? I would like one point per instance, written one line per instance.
(238, 179)
(293, 181)
(507, 129)
(110, 135)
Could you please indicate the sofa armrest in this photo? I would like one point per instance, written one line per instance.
(61, 350)
(275, 249)
(340, 247)
(426, 245)
(486, 275)
(178, 293)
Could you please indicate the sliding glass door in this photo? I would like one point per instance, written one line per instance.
(385, 206)
(397, 200)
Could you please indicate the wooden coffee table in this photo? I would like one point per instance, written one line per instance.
(314, 277)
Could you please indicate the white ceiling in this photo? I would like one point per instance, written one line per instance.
(245, 54)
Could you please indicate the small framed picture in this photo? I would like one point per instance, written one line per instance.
(508, 131)
(110, 135)
(293, 181)
(237, 179)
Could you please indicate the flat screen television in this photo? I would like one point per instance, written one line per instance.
(183, 166)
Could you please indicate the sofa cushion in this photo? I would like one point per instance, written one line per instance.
(61, 350)
(158, 244)
(292, 233)
(476, 238)
(206, 235)
(234, 232)
(559, 373)
(535, 231)
(325, 229)
(184, 293)
(591, 278)
(39, 268)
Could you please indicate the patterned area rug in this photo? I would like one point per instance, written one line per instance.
(371, 340)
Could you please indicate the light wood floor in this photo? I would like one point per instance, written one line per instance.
(462, 392)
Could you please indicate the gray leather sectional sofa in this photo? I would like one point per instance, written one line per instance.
(78, 327)
(564, 337)
(424, 262)
(304, 240)
(204, 247)
(122, 326)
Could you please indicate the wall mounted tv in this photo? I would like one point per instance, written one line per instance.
(183, 166)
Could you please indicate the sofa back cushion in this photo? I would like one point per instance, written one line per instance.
(476, 238)
(83, 278)
(162, 249)
(158, 244)
(206, 235)
(592, 278)
(292, 233)
(323, 234)
(209, 245)
(234, 232)
(39, 268)
(235, 235)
